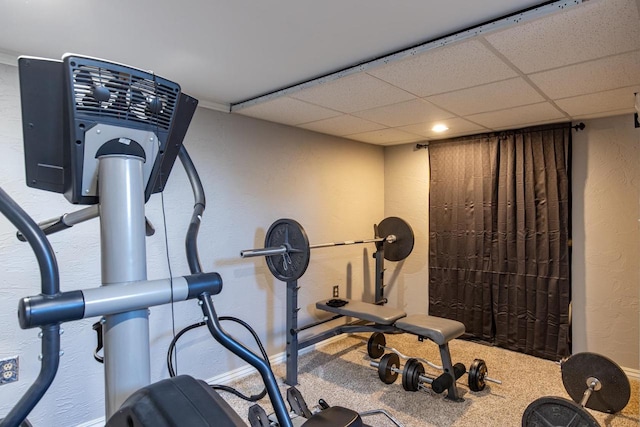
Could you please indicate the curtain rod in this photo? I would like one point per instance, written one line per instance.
(580, 126)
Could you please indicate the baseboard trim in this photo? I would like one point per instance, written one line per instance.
(238, 374)
(632, 373)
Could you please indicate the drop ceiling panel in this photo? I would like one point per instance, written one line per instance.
(342, 125)
(624, 111)
(386, 137)
(593, 30)
(489, 97)
(444, 69)
(353, 93)
(457, 126)
(288, 111)
(601, 102)
(405, 113)
(518, 116)
(594, 76)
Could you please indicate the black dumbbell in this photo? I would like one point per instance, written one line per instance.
(413, 374)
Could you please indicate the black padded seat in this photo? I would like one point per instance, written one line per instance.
(379, 314)
(178, 401)
(437, 329)
(334, 416)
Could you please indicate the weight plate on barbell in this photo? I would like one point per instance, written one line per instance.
(615, 389)
(556, 411)
(375, 345)
(477, 373)
(292, 264)
(411, 375)
(402, 247)
(385, 371)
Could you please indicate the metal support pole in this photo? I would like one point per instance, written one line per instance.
(379, 290)
(447, 367)
(292, 333)
(122, 233)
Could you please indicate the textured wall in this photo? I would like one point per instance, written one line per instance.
(606, 256)
(253, 172)
(406, 181)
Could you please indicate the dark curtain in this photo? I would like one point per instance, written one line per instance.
(499, 237)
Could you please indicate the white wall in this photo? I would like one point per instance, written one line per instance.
(606, 241)
(606, 258)
(253, 172)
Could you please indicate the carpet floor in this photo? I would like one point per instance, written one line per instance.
(340, 374)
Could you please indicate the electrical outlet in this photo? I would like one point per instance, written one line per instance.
(9, 370)
(336, 291)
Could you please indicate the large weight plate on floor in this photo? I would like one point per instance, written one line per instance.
(411, 375)
(385, 371)
(402, 247)
(556, 411)
(288, 233)
(477, 373)
(615, 389)
(375, 345)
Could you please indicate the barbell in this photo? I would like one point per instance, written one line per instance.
(413, 374)
(593, 381)
(287, 248)
(477, 374)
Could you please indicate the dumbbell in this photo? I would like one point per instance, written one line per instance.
(593, 381)
(413, 374)
(376, 345)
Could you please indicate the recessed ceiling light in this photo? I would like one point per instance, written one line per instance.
(439, 128)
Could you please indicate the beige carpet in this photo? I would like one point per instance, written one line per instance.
(340, 374)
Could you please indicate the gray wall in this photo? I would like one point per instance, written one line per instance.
(254, 172)
(606, 249)
(605, 259)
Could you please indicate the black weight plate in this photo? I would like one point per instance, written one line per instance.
(556, 411)
(402, 247)
(388, 361)
(375, 345)
(288, 233)
(411, 375)
(616, 390)
(477, 372)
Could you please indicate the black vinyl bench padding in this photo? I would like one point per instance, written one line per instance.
(437, 329)
(362, 310)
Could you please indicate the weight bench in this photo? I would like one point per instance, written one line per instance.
(392, 320)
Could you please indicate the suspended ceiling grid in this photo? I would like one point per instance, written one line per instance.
(579, 63)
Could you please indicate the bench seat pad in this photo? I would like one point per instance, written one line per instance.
(379, 314)
(437, 329)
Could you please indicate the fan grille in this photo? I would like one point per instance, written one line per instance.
(129, 97)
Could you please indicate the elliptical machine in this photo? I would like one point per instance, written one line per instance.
(107, 135)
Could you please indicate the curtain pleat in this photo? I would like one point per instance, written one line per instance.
(499, 232)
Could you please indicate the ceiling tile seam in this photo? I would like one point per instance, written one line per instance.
(386, 128)
(470, 87)
(487, 28)
(632, 87)
(504, 109)
(630, 110)
(618, 112)
(583, 62)
(524, 76)
(341, 114)
(477, 86)
(454, 115)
